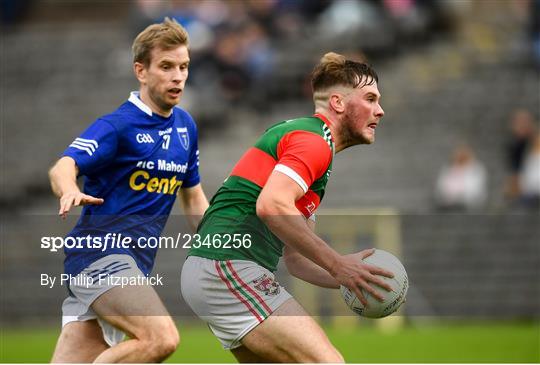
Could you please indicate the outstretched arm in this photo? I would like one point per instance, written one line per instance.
(63, 178)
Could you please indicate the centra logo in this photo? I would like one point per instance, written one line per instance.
(144, 138)
(141, 179)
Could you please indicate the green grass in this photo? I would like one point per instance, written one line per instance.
(453, 343)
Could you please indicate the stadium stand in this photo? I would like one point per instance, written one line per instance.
(57, 77)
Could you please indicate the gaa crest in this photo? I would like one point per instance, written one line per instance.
(184, 137)
(266, 285)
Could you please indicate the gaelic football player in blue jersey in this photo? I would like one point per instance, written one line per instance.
(135, 161)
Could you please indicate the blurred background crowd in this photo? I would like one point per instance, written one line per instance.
(457, 153)
(458, 78)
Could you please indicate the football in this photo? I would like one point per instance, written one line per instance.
(392, 300)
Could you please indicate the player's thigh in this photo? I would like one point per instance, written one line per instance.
(79, 342)
(291, 335)
(138, 311)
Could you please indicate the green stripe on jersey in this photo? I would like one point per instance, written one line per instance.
(239, 287)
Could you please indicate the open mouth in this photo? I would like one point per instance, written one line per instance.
(175, 91)
(372, 126)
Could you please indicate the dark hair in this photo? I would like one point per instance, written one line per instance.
(334, 69)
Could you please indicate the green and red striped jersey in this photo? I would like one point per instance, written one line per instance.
(302, 149)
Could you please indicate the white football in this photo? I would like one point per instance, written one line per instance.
(392, 300)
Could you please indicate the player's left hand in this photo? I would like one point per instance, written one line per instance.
(356, 274)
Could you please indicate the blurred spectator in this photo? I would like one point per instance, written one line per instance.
(229, 41)
(408, 16)
(344, 16)
(228, 59)
(530, 176)
(244, 53)
(522, 131)
(462, 185)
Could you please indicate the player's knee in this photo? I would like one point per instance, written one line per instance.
(161, 348)
(166, 347)
(167, 342)
(161, 340)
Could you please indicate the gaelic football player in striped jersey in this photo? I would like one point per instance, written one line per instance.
(265, 210)
(135, 160)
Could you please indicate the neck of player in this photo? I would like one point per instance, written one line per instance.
(340, 143)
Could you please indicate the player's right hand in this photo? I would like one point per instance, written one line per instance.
(74, 199)
(353, 273)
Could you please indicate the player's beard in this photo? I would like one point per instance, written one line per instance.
(160, 100)
(351, 135)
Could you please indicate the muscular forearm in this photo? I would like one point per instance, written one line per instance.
(63, 176)
(292, 229)
(304, 269)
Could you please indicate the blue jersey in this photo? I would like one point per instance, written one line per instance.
(136, 161)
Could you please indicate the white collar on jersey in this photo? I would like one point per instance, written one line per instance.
(134, 98)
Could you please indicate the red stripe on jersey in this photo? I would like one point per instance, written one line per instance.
(307, 153)
(308, 203)
(248, 288)
(236, 294)
(255, 166)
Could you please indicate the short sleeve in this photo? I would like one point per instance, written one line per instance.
(304, 157)
(94, 148)
(192, 175)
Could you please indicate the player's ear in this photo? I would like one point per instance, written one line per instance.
(337, 102)
(140, 71)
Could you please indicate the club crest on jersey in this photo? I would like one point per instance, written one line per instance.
(311, 207)
(266, 285)
(184, 137)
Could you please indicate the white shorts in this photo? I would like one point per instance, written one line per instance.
(76, 307)
(232, 296)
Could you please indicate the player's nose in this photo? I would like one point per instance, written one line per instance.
(379, 112)
(179, 75)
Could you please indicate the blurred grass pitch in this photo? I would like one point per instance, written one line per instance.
(463, 342)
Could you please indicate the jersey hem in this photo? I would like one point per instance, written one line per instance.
(225, 257)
